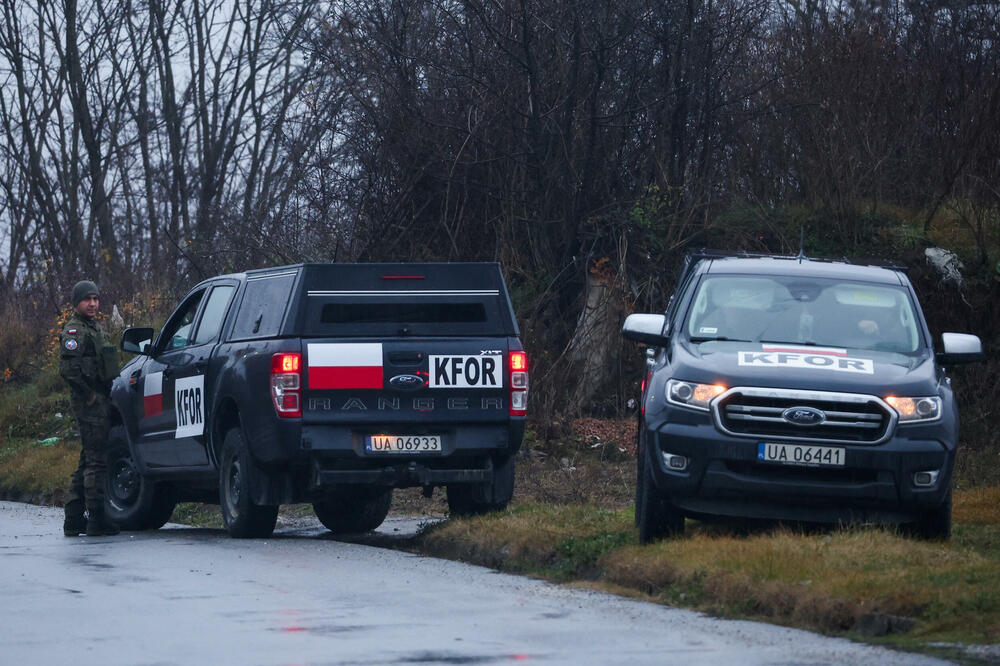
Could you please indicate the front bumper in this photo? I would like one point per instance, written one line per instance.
(724, 478)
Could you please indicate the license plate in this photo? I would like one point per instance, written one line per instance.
(402, 443)
(801, 454)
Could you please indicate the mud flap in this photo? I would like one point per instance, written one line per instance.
(271, 487)
(502, 488)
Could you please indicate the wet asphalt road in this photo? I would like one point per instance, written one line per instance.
(195, 596)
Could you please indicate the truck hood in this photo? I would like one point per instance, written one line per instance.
(789, 365)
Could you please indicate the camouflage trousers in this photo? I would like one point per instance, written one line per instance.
(87, 482)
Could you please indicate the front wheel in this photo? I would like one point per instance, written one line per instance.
(132, 501)
(243, 518)
(935, 525)
(655, 515)
(361, 510)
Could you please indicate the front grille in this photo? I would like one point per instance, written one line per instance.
(848, 417)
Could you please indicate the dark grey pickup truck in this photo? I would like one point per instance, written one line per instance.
(783, 388)
(330, 384)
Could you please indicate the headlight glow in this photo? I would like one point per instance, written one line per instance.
(691, 394)
(912, 410)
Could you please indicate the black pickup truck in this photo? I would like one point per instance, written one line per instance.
(783, 388)
(322, 383)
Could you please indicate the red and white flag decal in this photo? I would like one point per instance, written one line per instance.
(152, 394)
(353, 365)
(804, 349)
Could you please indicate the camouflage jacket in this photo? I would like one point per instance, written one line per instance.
(87, 359)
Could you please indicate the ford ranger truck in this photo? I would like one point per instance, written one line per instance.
(795, 390)
(323, 383)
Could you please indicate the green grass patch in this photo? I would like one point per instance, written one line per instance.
(196, 513)
(824, 581)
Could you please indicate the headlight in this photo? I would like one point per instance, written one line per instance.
(690, 394)
(911, 410)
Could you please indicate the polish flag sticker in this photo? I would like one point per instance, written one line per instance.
(152, 394)
(352, 365)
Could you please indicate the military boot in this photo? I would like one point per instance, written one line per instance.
(99, 525)
(74, 524)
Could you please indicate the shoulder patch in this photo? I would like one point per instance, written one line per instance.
(72, 331)
(70, 345)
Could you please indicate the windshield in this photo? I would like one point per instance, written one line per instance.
(813, 311)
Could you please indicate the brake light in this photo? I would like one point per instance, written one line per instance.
(518, 383)
(286, 384)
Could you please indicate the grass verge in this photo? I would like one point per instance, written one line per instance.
(841, 582)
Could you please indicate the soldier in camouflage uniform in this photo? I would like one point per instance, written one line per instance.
(88, 362)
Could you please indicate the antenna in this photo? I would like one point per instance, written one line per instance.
(802, 243)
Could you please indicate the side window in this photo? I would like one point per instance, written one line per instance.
(214, 314)
(263, 306)
(177, 332)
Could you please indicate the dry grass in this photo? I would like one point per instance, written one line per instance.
(979, 505)
(824, 581)
(31, 471)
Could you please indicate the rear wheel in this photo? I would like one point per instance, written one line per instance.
(353, 512)
(656, 516)
(132, 501)
(243, 518)
(472, 499)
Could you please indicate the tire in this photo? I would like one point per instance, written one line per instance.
(935, 525)
(657, 518)
(354, 512)
(476, 499)
(640, 471)
(132, 501)
(243, 518)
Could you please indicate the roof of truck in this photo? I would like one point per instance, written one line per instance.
(792, 266)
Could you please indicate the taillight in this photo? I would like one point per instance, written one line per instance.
(518, 383)
(286, 384)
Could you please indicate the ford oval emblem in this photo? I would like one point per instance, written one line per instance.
(407, 382)
(803, 416)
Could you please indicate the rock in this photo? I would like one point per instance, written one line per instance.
(881, 624)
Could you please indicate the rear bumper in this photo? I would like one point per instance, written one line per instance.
(403, 475)
(724, 478)
(468, 455)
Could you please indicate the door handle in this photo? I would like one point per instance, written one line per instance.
(200, 366)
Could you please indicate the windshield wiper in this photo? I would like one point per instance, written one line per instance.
(718, 339)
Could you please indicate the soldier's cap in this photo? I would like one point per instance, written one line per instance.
(83, 289)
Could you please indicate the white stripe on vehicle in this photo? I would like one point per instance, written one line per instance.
(345, 354)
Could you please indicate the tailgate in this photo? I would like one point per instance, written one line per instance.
(455, 380)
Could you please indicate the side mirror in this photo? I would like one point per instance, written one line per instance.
(647, 328)
(960, 348)
(137, 340)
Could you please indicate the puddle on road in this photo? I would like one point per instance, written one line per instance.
(452, 658)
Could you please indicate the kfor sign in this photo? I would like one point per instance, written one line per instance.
(189, 405)
(806, 360)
